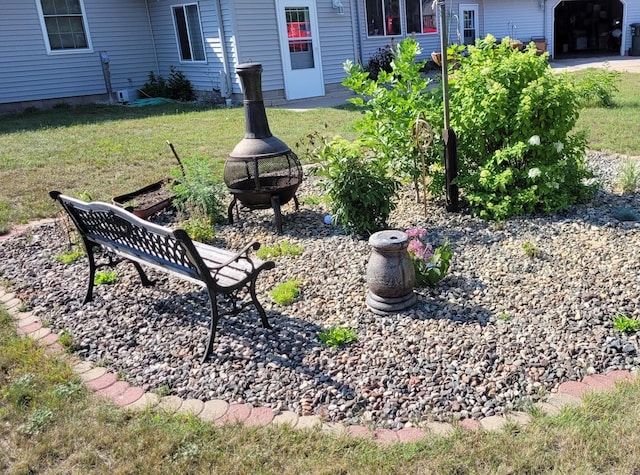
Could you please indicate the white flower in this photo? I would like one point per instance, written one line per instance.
(534, 172)
(553, 184)
(559, 146)
(534, 140)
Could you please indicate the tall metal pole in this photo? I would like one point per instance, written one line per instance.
(448, 135)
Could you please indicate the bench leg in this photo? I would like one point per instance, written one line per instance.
(92, 272)
(256, 303)
(146, 282)
(213, 325)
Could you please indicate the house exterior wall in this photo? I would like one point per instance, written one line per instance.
(428, 42)
(258, 40)
(205, 76)
(29, 73)
(517, 19)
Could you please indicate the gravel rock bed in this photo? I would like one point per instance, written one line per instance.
(501, 332)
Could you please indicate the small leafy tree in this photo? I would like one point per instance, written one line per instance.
(392, 103)
(514, 119)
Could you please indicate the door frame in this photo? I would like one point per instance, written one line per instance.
(466, 7)
(284, 45)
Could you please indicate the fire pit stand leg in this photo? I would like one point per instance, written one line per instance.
(275, 204)
(230, 210)
(295, 201)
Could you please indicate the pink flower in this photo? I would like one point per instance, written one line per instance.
(416, 248)
(419, 233)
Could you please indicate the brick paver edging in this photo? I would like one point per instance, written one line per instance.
(106, 384)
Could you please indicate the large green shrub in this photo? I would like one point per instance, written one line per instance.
(514, 119)
(392, 103)
(359, 187)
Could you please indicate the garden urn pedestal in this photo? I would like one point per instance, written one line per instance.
(390, 273)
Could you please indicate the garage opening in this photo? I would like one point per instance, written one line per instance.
(588, 28)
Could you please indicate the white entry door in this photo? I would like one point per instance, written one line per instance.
(469, 22)
(298, 25)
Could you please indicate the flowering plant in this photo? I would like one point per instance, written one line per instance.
(431, 264)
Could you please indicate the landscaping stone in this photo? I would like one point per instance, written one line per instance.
(501, 329)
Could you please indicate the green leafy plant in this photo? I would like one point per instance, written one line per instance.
(359, 187)
(392, 103)
(177, 87)
(338, 336)
(36, 421)
(85, 196)
(197, 190)
(530, 249)
(514, 118)
(596, 87)
(68, 390)
(379, 61)
(199, 227)
(431, 264)
(286, 292)
(628, 176)
(70, 256)
(105, 277)
(626, 324)
(311, 200)
(504, 316)
(22, 391)
(66, 340)
(285, 248)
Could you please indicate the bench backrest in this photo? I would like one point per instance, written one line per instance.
(116, 228)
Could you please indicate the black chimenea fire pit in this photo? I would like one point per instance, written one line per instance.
(261, 172)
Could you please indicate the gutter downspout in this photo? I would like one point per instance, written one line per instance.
(153, 40)
(225, 79)
(355, 26)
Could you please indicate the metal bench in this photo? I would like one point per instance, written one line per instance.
(141, 242)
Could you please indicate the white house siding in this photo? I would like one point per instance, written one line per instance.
(204, 75)
(525, 16)
(28, 73)
(631, 15)
(336, 40)
(257, 37)
(257, 41)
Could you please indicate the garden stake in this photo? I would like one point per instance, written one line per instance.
(175, 154)
(423, 135)
(448, 135)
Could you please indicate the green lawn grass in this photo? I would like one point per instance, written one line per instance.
(110, 150)
(615, 129)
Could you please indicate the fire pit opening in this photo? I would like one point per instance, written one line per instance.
(261, 172)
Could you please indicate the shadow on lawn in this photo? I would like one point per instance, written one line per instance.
(65, 116)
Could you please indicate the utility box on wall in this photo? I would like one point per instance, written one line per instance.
(126, 95)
